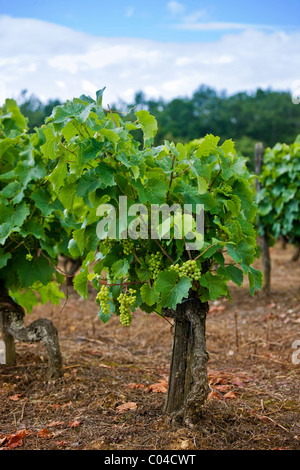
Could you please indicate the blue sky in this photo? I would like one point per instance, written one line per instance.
(61, 48)
(159, 20)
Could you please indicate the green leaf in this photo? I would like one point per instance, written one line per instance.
(43, 201)
(234, 273)
(80, 283)
(51, 293)
(154, 191)
(39, 269)
(79, 237)
(242, 253)
(50, 146)
(208, 146)
(4, 257)
(26, 298)
(148, 125)
(58, 175)
(255, 280)
(172, 289)
(216, 284)
(149, 295)
(74, 249)
(120, 269)
(99, 96)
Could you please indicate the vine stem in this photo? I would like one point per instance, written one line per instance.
(112, 116)
(165, 253)
(171, 179)
(183, 171)
(219, 172)
(104, 282)
(210, 246)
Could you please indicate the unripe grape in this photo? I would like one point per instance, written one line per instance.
(103, 298)
(126, 301)
(188, 269)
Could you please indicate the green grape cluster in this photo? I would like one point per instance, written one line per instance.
(103, 298)
(189, 269)
(30, 242)
(226, 188)
(109, 243)
(143, 243)
(155, 264)
(126, 301)
(128, 246)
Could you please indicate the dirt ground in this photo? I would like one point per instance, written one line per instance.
(254, 398)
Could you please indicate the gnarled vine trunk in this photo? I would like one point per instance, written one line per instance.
(188, 382)
(296, 255)
(12, 327)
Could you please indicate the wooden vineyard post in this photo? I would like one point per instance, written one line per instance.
(263, 240)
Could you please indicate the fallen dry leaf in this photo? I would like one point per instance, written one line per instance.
(130, 405)
(219, 381)
(185, 444)
(237, 381)
(133, 386)
(61, 443)
(45, 433)
(222, 388)
(15, 397)
(214, 394)
(14, 440)
(217, 309)
(160, 387)
(55, 423)
(74, 424)
(230, 395)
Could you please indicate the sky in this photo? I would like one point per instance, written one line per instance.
(167, 48)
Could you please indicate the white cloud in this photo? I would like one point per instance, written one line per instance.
(90, 88)
(129, 12)
(56, 62)
(60, 83)
(215, 26)
(175, 8)
(195, 16)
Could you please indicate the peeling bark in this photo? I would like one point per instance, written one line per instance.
(188, 382)
(296, 255)
(70, 267)
(12, 326)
